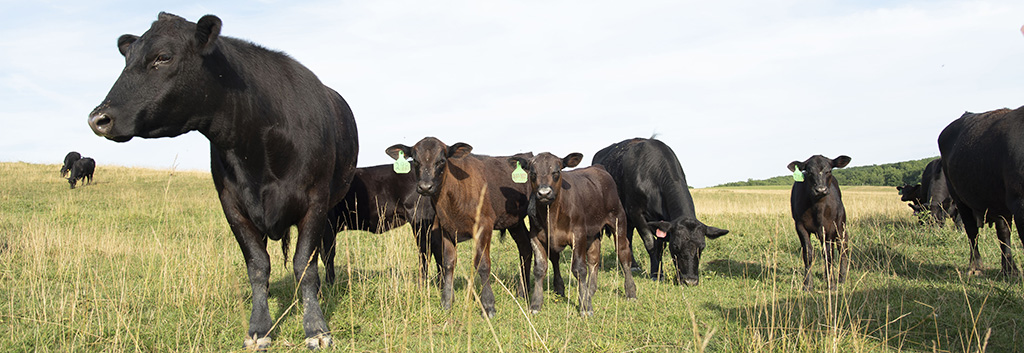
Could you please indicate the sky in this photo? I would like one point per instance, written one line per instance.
(737, 89)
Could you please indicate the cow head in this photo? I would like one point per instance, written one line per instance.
(167, 82)
(73, 181)
(545, 171)
(910, 193)
(429, 161)
(686, 243)
(817, 172)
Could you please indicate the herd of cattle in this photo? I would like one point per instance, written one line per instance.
(283, 153)
(80, 168)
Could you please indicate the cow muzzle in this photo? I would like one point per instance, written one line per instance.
(103, 124)
(545, 195)
(425, 188)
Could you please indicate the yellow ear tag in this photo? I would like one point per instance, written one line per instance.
(798, 176)
(401, 165)
(519, 175)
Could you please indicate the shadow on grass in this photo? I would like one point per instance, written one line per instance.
(953, 317)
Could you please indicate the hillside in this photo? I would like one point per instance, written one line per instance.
(891, 174)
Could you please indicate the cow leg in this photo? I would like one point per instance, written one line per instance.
(637, 220)
(482, 263)
(655, 253)
(828, 255)
(807, 251)
(971, 228)
(628, 236)
(1003, 232)
(423, 241)
(449, 257)
(626, 261)
(540, 269)
(844, 255)
(579, 269)
(522, 238)
(558, 283)
(257, 266)
(304, 264)
(327, 252)
(593, 261)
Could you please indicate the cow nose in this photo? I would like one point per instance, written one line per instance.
(544, 191)
(423, 187)
(821, 189)
(100, 123)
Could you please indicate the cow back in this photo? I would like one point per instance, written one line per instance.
(983, 160)
(648, 176)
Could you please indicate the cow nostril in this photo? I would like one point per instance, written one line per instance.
(100, 122)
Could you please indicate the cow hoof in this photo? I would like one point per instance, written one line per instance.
(636, 269)
(534, 311)
(975, 272)
(255, 343)
(490, 313)
(320, 341)
(586, 313)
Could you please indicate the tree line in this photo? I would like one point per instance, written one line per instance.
(891, 174)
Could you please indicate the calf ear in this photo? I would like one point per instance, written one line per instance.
(124, 42)
(523, 162)
(459, 149)
(713, 232)
(572, 160)
(840, 162)
(207, 31)
(393, 151)
(793, 165)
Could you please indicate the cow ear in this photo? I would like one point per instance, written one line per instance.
(900, 188)
(840, 162)
(393, 151)
(572, 160)
(793, 165)
(207, 31)
(523, 162)
(459, 149)
(124, 42)
(713, 232)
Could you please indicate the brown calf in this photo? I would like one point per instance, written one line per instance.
(456, 182)
(573, 208)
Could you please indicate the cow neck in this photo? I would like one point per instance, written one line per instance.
(677, 203)
(458, 194)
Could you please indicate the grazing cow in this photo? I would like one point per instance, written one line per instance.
(910, 193)
(472, 195)
(817, 206)
(379, 200)
(934, 194)
(69, 161)
(573, 208)
(282, 144)
(82, 169)
(983, 159)
(653, 191)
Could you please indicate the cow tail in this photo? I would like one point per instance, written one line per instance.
(284, 247)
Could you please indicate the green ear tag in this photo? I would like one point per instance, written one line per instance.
(901, 192)
(401, 165)
(798, 176)
(519, 175)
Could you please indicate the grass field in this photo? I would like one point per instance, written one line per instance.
(142, 260)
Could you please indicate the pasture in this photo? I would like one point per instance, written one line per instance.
(143, 260)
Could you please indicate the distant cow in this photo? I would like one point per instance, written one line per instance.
(983, 159)
(457, 181)
(379, 200)
(934, 194)
(654, 194)
(282, 145)
(573, 208)
(817, 206)
(912, 194)
(82, 170)
(69, 161)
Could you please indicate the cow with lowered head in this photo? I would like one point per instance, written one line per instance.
(934, 194)
(69, 161)
(380, 200)
(817, 206)
(983, 160)
(472, 195)
(282, 144)
(82, 170)
(573, 208)
(653, 191)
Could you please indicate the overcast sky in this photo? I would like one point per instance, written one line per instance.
(737, 88)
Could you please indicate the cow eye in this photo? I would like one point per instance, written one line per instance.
(556, 174)
(161, 59)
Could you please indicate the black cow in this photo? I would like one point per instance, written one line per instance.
(472, 195)
(817, 206)
(983, 159)
(934, 194)
(912, 194)
(380, 200)
(282, 145)
(573, 208)
(653, 191)
(69, 161)
(82, 170)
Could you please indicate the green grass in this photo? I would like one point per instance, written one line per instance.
(142, 260)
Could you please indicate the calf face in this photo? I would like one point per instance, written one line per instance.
(686, 243)
(161, 74)
(429, 161)
(817, 172)
(910, 193)
(546, 173)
